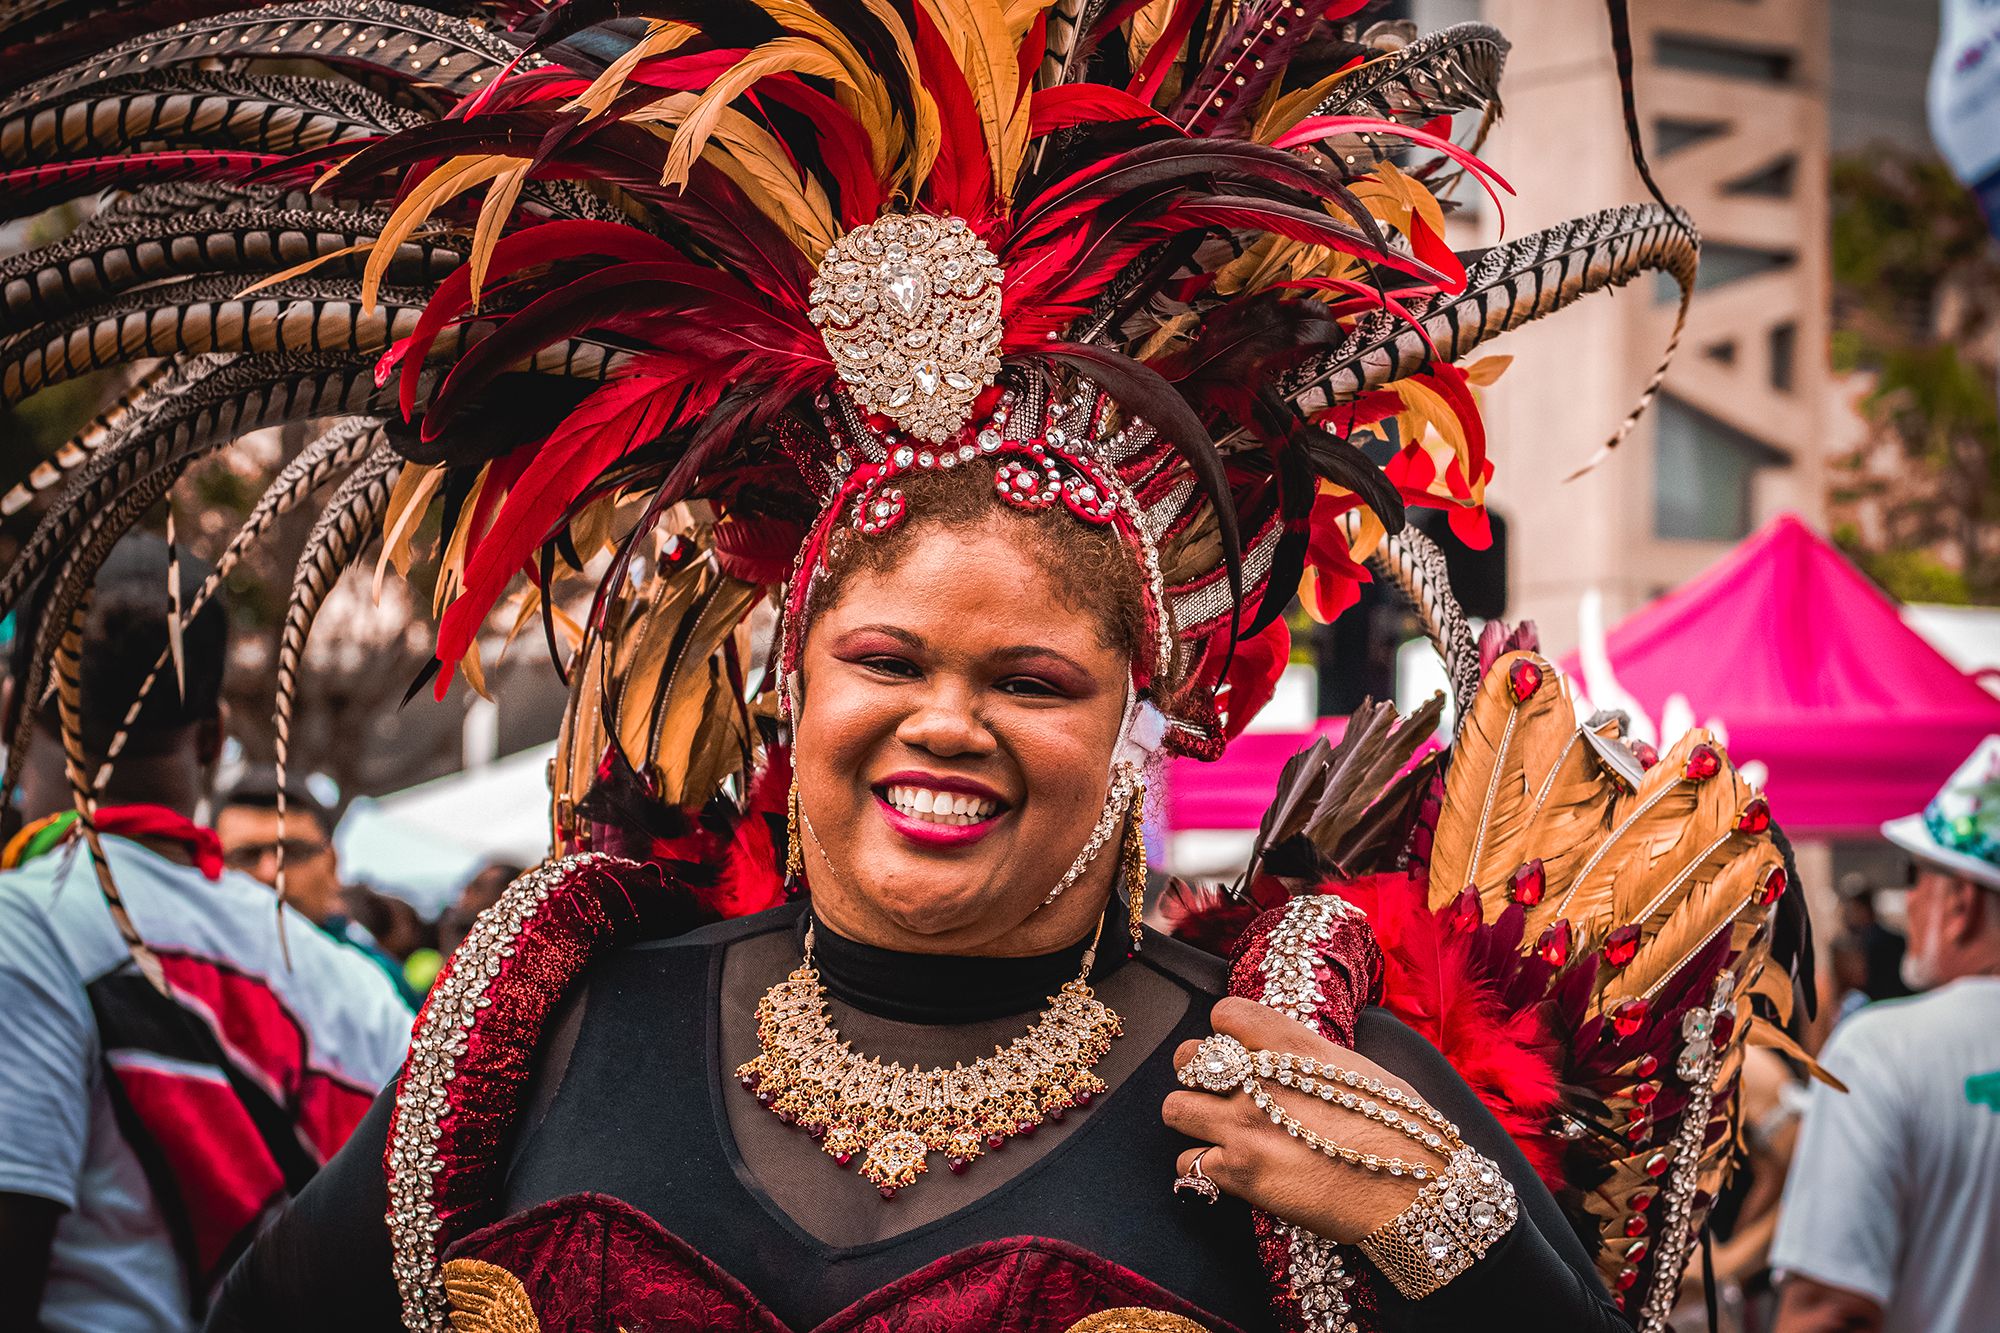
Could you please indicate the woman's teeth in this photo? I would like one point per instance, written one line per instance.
(940, 807)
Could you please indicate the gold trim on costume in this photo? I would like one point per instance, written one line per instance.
(486, 1298)
(1135, 1319)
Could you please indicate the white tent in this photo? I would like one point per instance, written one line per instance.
(423, 843)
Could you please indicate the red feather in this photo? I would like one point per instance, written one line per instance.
(961, 181)
(1152, 72)
(1315, 128)
(615, 419)
(1440, 980)
(1069, 104)
(519, 250)
(750, 879)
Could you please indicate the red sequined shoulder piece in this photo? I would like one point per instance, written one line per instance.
(473, 1048)
(1316, 960)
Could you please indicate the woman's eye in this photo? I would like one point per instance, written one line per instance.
(891, 666)
(1030, 687)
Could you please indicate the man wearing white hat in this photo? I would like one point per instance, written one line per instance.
(1891, 1216)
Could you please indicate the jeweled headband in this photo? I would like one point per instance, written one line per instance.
(909, 307)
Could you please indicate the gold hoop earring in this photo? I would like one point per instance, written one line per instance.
(1135, 862)
(795, 852)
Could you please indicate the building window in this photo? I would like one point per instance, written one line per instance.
(1722, 264)
(1703, 469)
(1784, 341)
(1707, 55)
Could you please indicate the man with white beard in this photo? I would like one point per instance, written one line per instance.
(1891, 1216)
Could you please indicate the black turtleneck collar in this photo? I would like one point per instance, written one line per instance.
(950, 988)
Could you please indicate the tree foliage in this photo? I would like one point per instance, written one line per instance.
(1917, 308)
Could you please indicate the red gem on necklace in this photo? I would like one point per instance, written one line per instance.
(958, 1165)
(996, 1142)
(887, 1191)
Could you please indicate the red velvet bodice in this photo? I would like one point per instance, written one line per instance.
(589, 1263)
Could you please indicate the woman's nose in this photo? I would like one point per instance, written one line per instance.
(946, 724)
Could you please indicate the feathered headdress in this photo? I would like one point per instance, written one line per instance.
(641, 300)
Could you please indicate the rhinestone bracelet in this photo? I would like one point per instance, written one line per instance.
(1448, 1227)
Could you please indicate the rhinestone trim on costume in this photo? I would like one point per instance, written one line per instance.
(1317, 1269)
(1678, 1226)
(423, 1099)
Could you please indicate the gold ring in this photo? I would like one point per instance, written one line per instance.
(1197, 1184)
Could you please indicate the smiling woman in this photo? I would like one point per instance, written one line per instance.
(1019, 361)
(962, 698)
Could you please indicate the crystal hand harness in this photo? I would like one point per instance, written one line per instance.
(894, 1117)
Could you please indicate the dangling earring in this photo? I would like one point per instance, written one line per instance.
(795, 852)
(1135, 861)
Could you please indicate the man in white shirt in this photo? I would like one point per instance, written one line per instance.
(144, 1136)
(1891, 1215)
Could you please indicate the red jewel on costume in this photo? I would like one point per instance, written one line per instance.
(1626, 1277)
(1645, 754)
(1636, 1224)
(1703, 763)
(1657, 1164)
(1756, 817)
(1649, 1064)
(1639, 1250)
(1629, 1017)
(1644, 1093)
(1465, 913)
(1641, 1200)
(1529, 883)
(1774, 886)
(1621, 946)
(1554, 944)
(1524, 678)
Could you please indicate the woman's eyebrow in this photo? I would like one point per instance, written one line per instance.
(896, 632)
(1024, 651)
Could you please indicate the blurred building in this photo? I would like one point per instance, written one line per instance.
(1740, 102)
(1733, 103)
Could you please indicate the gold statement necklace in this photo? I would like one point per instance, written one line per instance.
(893, 1117)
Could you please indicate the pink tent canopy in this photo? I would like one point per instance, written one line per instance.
(1234, 791)
(1810, 669)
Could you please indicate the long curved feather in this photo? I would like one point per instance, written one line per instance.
(1510, 285)
(328, 454)
(337, 538)
(69, 695)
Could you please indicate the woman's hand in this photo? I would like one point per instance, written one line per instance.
(1259, 1162)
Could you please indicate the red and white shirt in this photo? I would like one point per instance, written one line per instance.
(167, 1128)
